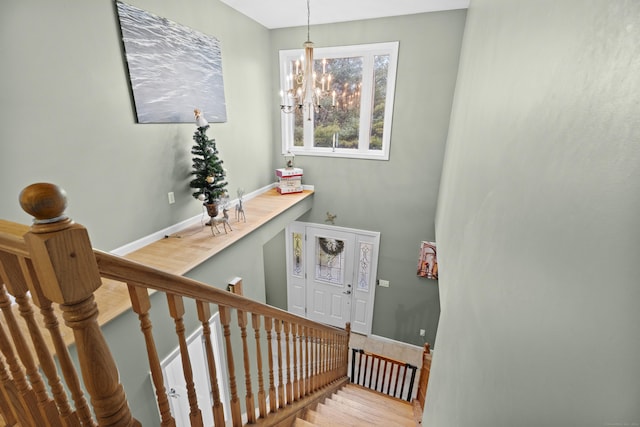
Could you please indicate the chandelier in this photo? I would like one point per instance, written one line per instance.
(305, 89)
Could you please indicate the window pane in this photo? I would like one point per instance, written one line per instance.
(353, 124)
(330, 261)
(343, 120)
(295, 81)
(380, 71)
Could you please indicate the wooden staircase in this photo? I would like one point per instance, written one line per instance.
(354, 405)
(295, 371)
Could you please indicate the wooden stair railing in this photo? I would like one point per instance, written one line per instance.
(56, 263)
(383, 374)
(392, 377)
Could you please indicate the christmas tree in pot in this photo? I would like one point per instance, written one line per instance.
(208, 174)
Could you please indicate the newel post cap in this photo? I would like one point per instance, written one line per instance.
(45, 202)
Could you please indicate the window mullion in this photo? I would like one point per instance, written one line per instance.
(366, 101)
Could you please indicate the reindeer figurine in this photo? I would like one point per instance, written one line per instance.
(239, 208)
(224, 220)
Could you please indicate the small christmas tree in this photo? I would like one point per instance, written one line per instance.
(209, 175)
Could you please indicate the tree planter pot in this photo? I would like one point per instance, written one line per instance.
(212, 211)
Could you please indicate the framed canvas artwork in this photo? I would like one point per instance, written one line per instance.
(172, 69)
(428, 260)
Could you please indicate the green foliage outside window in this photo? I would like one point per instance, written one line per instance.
(354, 116)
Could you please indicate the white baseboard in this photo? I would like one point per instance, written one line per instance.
(158, 235)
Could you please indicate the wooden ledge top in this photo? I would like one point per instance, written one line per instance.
(182, 251)
(185, 250)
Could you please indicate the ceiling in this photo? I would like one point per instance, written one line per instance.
(293, 13)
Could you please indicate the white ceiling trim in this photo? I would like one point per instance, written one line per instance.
(293, 13)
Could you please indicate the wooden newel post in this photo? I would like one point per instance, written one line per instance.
(63, 259)
(345, 355)
(423, 382)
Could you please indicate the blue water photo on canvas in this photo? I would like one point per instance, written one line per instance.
(172, 68)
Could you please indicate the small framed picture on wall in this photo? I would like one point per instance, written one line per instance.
(428, 260)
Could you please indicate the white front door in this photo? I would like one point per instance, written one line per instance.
(331, 274)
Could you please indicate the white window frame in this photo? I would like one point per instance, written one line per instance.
(368, 52)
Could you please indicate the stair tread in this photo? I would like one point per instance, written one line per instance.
(324, 420)
(357, 388)
(356, 406)
(376, 397)
(372, 415)
(299, 422)
(347, 418)
(370, 411)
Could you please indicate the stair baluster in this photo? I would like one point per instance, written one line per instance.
(314, 360)
(25, 391)
(176, 311)
(296, 384)
(289, 384)
(4, 404)
(13, 400)
(278, 329)
(141, 304)
(69, 373)
(273, 403)
(37, 385)
(262, 401)
(300, 332)
(321, 359)
(242, 322)
(308, 361)
(204, 314)
(398, 376)
(225, 319)
(15, 274)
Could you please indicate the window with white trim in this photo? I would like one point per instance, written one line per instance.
(354, 116)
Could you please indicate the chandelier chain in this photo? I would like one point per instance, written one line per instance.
(308, 19)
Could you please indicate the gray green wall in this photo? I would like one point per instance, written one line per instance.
(538, 223)
(395, 197)
(67, 115)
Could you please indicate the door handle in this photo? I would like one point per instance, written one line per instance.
(347, 292)
(172, 393)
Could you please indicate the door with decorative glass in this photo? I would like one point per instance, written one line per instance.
(331, 274)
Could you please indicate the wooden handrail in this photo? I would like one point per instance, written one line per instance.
(55, 262)
(123, 270)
